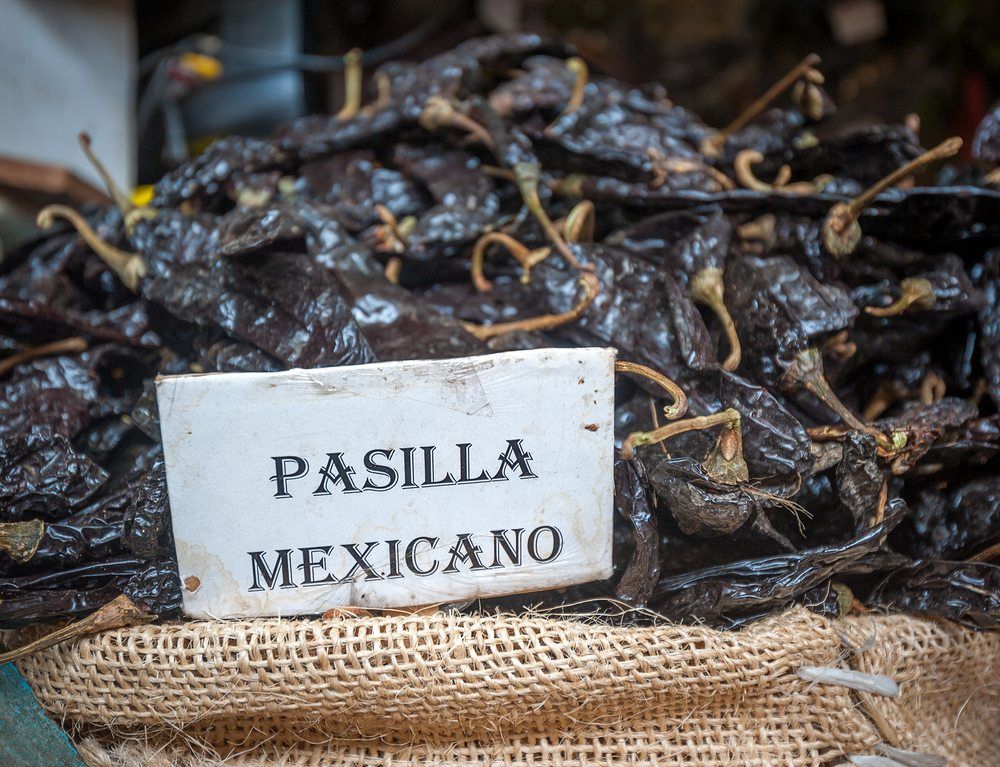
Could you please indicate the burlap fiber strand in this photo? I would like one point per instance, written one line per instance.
(515, 690)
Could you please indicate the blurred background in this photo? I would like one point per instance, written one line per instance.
(154, 81)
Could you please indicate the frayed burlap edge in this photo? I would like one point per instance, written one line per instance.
(514, 690)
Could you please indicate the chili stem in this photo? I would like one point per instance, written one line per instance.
(707, 288)
(641, 438)
(62, 346)
(20, 540)
(914, 291)
(352, 85)
(526, 258)
(121, 200)
(744, 172)
(129, 267)
(841, 232)
(714, 143)
(527, 175)
(546, 321)
(120, 611)
(680, 402)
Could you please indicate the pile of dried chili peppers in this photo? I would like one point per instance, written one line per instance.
(810, 345)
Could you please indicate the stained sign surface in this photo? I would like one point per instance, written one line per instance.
(390, 484)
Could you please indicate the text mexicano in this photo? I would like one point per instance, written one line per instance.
(420, 556)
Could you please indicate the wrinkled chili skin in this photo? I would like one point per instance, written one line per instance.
(965, 592)
(954, 524)
(633, 504)
(727, 591)
(89, 535)
(42, 475)
(286, 305)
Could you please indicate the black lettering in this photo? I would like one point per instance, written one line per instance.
(429, 480)
(336, 472)
(387, 471)
(282, 475)
(408, 467)
(269, 575)
(309, 565)
(360, 562)
(463, 466)
(411, 555)
(464, 550)
(514, 458)
(393, 560)
(513, 552)
(557, 543)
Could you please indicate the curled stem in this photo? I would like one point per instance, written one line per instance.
(932, 388)
(527, 177)
(62, 346)
(680, 402)
(742, 167)
(391, 234)
(120, 611)
(806, 370)
(121, 200)
(591, 288)
(914, 291)
(20, 540)
(580, 223)
(439, 113)
(663, 166)
(352, 85)
(707, 287)
(713, 144)
(129, 267)
(636, 439)
(841, 231)
(526, 258)
(578, 68)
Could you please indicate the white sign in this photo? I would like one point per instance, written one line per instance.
(391, 484)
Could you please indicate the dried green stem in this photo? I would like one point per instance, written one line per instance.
(591, 287)
(119, 612)
(578, 68)
(352, 85)
(713, 145)
(680, 402)
(725, 462)
(121, 199)
(807, 371)
(527, 177)
(841, 232)
(439, 113)
(129, 267)
(526, 258)
(708, 288)
(698, 423)
(914, 291)
(742, 166)
(62, 346)
(580, 223)
(20, 540)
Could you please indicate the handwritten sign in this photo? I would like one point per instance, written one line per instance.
(391, 484)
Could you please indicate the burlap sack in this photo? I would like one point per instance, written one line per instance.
(510, 690)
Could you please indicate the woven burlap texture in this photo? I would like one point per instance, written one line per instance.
(515, 690)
